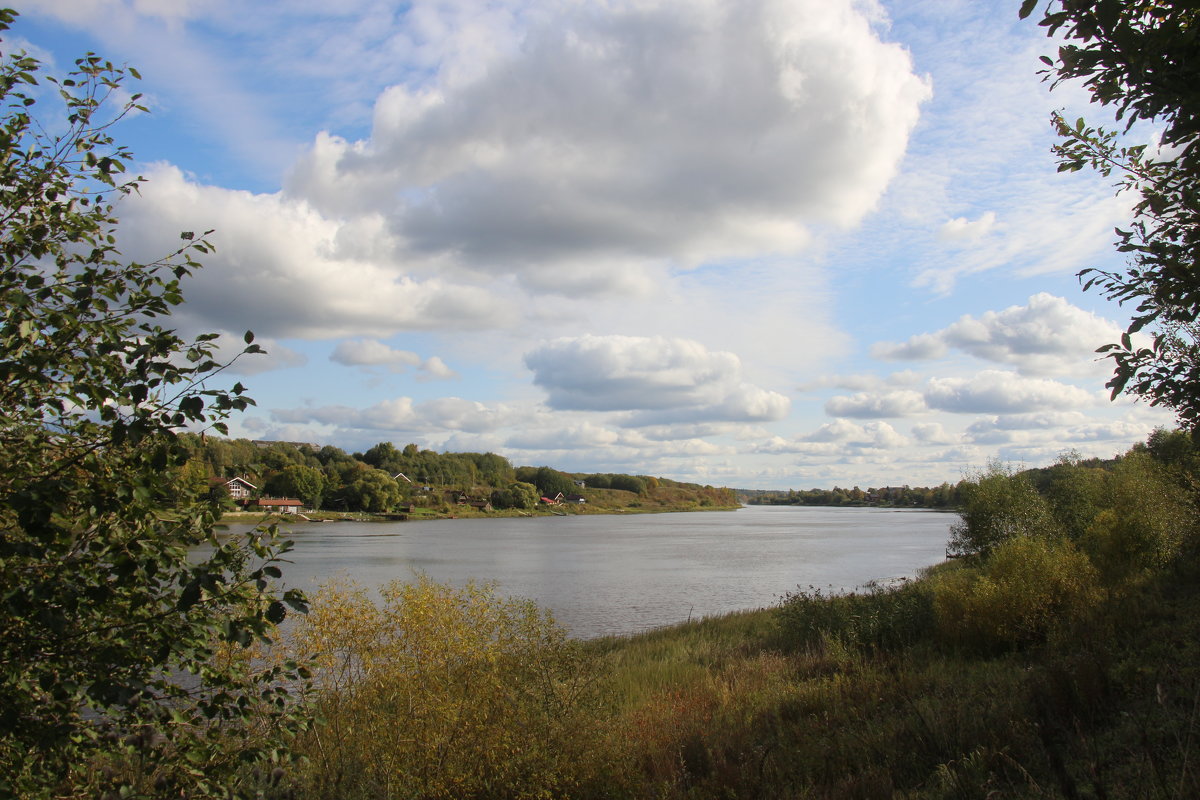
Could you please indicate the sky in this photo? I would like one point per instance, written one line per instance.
(749, 243)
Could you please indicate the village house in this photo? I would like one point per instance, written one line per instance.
(238, 488)
(282, 505)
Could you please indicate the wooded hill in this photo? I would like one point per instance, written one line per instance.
(386, 478)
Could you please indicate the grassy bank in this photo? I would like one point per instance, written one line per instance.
(825, 697)
(449, 693)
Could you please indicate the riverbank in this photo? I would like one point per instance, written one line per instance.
(466, 512)
(859, 696)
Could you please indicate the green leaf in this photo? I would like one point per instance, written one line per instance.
(276, 612)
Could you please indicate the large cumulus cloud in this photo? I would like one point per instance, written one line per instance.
(286, 270)
(1046, 336)
(679, 130)
(664, 380)
(1000, 392)
(599, 147)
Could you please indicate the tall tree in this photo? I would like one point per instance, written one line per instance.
(297, 480)
(119, 666)
(1141, 58)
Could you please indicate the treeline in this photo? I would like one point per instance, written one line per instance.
(1162, 444)
(385, 478)
(944, 496)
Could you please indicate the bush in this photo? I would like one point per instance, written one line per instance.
(1077, 494)
(1014, 598)
(517, 495)
(1147, 523)
(885, 618)
(117, 594)
(997, 506)
(445, 692)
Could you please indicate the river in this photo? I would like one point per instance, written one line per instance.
(618, 574)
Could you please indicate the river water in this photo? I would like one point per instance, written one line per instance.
(615, 574)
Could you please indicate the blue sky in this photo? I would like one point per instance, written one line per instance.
(751, 243)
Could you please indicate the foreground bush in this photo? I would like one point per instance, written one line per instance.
(437, 691)
(115, 591)
(1026, 586)
(998, 505)
(1147, 523)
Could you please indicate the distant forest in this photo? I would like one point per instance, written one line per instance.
(946, 495)
(385, 477)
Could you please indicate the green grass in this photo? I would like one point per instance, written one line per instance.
(754, 705)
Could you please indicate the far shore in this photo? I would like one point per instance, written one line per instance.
(424, 514)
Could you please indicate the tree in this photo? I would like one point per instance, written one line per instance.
(516, 495)
(998, 506)
(373, 491)
(123, 618)
(383, 456)
(551, 482)
(1142, 59)
(628, 483)
(297, 480)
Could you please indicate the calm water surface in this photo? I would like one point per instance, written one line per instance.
(610, 574)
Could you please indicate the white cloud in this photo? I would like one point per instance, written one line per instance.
(862, 382)
(840, 437)
(667, 380)
(457, 414)
(112, 11)
(290, 270)
(402, 415)
(998, 392)
(933, 433)
(866, 405)
(922, 347)
(1110, 431)
(585, 150)
(434, 369)
(563, 438)
(632, 134)
(1047, 336)
(372, 352)
(1048, 420)
(962, 228)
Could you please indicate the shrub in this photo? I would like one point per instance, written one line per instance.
(445, 692)
(883, 617)
(998, 506)
(1146, 525)
(1017, 595)
(1077, 494)
(517, 495)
